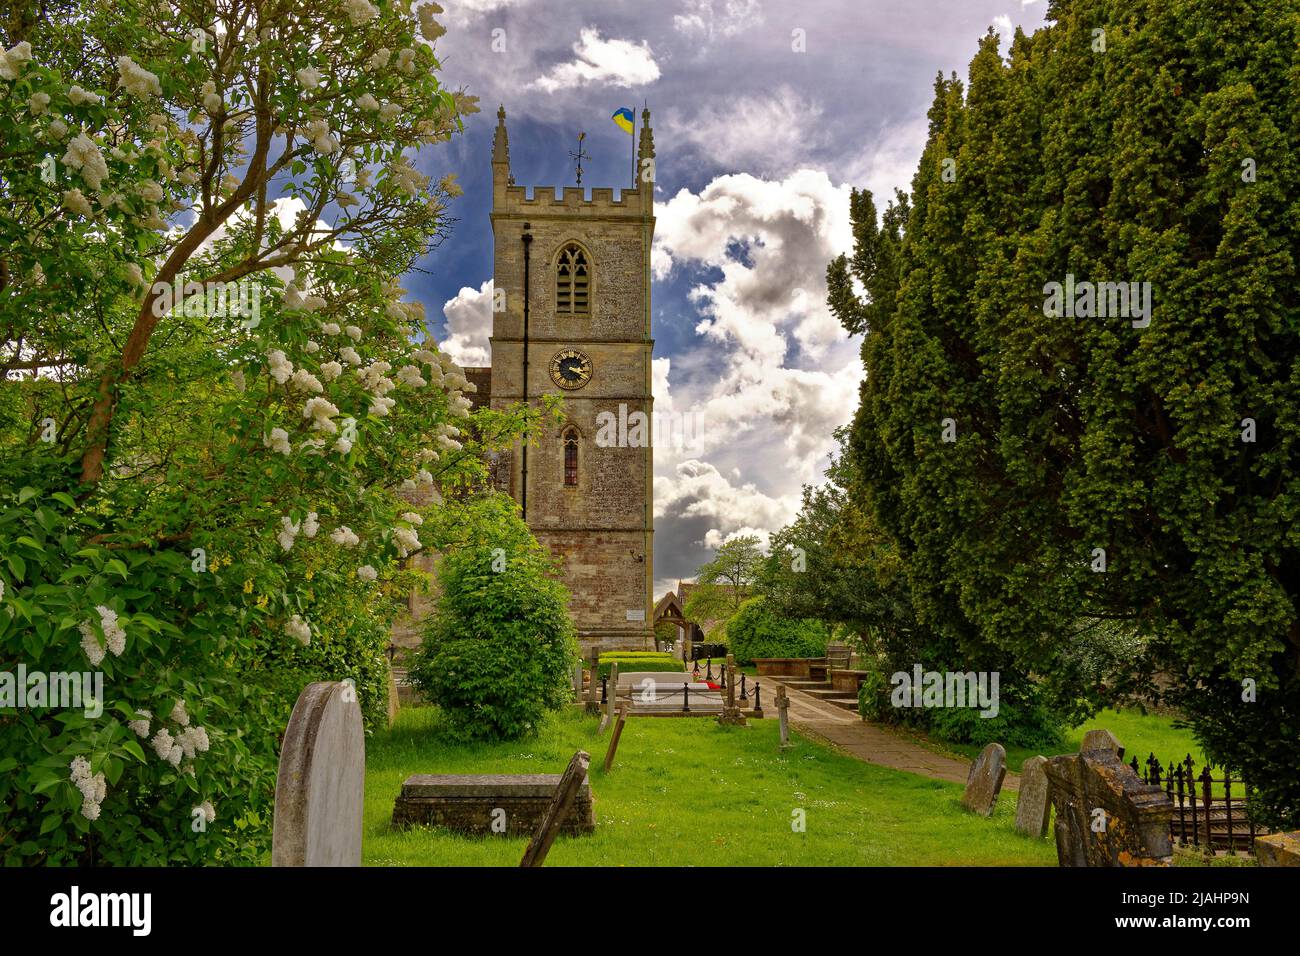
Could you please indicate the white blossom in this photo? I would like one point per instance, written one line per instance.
(305, 381)
(12, 60)
(342, 446)
(288, 533)
(381, 406)
(211, 98)
(349, 355)
(344, 536)
(57, 130)
(281, 368)
(75, 201)
(137, 80)
(360, 11)
(407, 540)
(367, 102)
(278, 441)
(81, 97)
(309, 78)
(311, 347)
(379, 59)
(410, 375)
(163, 743)
(140, 727)
(311, 524)
(412, 517)
(330, 371)
(367, 573)
(180, 715)
(84, 154)
(318, 131)
(298, 629)
(330, 328)
(354, 333)
(37, 103)
(320, 411)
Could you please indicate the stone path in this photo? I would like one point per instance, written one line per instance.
(870, 743)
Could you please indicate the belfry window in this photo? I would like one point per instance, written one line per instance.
(572, 281)
(570, 457)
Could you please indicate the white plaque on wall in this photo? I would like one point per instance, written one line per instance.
(636, 615)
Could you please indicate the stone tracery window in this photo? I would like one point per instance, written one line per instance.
(572, 281)
(570, 439)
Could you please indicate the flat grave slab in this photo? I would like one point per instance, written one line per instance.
(488, 804)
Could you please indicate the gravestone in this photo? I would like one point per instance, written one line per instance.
(320, 787)
(618, 733)
(1101, 739)
(577, 681)
(593, 688)
(1105, 814)
(1033, 806)
(394, 700)
(984, 782)
(1278, 849)
(782, 711)
(731, 714)
(566, 792)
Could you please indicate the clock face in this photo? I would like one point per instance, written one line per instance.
(570, 369)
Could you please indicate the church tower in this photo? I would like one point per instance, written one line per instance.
(571, 317)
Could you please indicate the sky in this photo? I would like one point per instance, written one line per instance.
(765, 115)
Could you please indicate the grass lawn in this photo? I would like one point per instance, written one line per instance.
(685, 791)
(1141, 734)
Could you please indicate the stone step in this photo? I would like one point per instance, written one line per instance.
(847, 703)
(808, 686)
(824, 693)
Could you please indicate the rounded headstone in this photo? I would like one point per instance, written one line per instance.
(1101, 739)
(320, 788)
(1033, 807)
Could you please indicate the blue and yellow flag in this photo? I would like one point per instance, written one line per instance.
(624, 119)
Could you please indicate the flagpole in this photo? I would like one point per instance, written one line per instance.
(634, 175)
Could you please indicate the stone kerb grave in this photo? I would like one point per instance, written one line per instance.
(1105, 814)
(320, 787)
(489, 804)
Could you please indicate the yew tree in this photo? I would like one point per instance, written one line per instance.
(1049, 473)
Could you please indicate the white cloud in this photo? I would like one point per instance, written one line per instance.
(703, 19)
(771, 240)
(762, 133)
(613, 62)
(771, 372)
(1006, 29)
(696, 489)
(469, 324)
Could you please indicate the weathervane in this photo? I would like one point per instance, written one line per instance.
(579, 156)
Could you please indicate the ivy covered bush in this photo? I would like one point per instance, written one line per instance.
(499, 649)
(755, 631)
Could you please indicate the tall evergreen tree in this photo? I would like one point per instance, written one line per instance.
(1103, 469)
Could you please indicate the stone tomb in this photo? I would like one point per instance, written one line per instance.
(1105, 814)
(473, 803)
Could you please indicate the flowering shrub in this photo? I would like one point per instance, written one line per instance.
(211, 504)
(500, 647)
